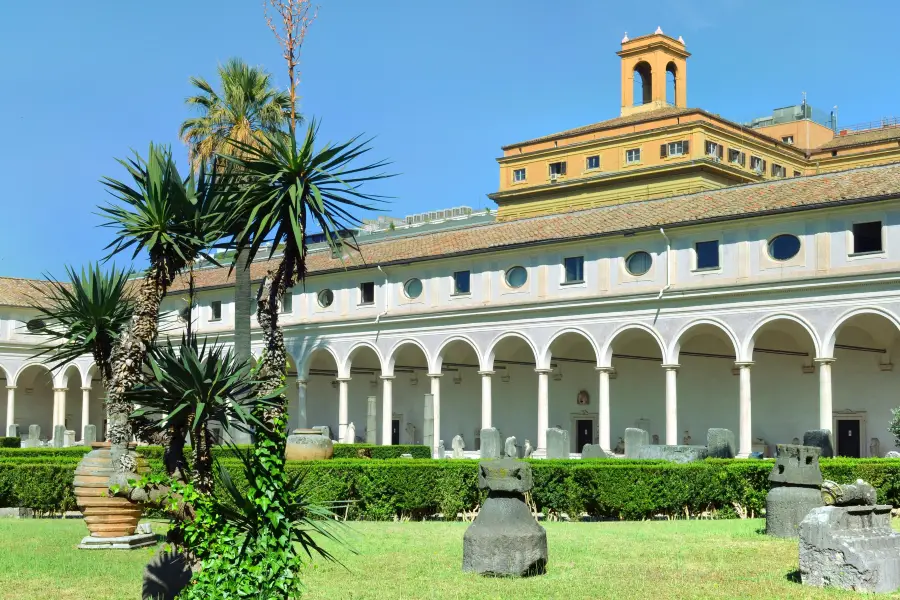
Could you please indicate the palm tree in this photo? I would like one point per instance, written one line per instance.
(174, 220)
(246, 105)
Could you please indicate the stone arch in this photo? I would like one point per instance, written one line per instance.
(344, 366)
(392, 354)
(750, 342)
(437, 361)
(831, 336)
(28, 365)
(87, 376)
(643, 77)
(304, 363)
(546, 354)
(672, 76)
(674, 348)
(490, 355)
(605, 357)
(62, 378)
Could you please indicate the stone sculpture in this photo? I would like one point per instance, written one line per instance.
(850, 543)
(428, 423)
(34, 437)
(620, 447)
(821, 439)
(510, 449)
(557, 443)
(529, 449)
(795, 441)
(593, 451)
(69, 438)
(655, 438)
(458, 446)
(490, 443)
(505, 539)
(875, 447)
(796, 481)
(637, 445)
(892, 454)
(635, 439)
(350, 434)
(12, 430)
(59, 436)
(410, 433)
(687, 439)
(720, 443)
(89, 435)
(442, 451)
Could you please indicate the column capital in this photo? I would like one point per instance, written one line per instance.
(486, 373)
(11, 387)
(387, 377)
(301, 381)
(343, 379)
(435, 375)
(86, 388)
(824, 360)
(65, 389)
(670, 367)
(743, 364)
(605, 369)
(543, 371)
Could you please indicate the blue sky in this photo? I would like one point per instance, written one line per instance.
(442, 85)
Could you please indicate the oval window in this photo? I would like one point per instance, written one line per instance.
(413, 288)
(784, 246)
(516, 277)
(638, 263)
(326, 297)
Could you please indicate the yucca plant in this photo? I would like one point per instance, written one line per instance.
(191, 387)
(174, 221)
(85, 315)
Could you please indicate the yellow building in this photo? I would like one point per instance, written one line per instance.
(659, 147)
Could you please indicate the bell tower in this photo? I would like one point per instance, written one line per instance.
(649, 63)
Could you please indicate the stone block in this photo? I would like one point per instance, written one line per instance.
(490, 443)
(557, 443)
(796, 465)
(505, 475)
(720, 443)
(787, 506)
(371, 420)
(129, 542)
(34, 432)
(89, 435)
(677, 454)
(68, 438)
(593, 451)
(850, 547)
(892, 454)
(821, 439)
(59, 436)
(325, 429)
(12, 431)
(635, 439)
(31, 443)
(510, 448)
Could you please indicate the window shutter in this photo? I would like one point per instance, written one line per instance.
(764, 165)
(743, 159)
(686, 148)
(662, 150)
(562, 168)
(721, 151)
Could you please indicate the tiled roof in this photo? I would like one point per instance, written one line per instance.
(864, 137)
(724, 204)
(15, 291)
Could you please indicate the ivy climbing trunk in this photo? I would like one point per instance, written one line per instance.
(241, 323)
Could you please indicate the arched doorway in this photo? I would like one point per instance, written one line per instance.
(465, 392)
(408, 363)
(519, 403)
(321, 391)
(573, 388)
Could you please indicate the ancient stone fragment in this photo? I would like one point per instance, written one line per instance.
(720, 443)
(557, 443)
(490, 443)
(796, 481)
(635, 439)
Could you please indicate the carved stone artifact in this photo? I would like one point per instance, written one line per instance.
(795, 489)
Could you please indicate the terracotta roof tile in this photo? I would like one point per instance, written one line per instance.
(864, 137)
(15, 291)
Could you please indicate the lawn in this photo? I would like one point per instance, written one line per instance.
(405, 561)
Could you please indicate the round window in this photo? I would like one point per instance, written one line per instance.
(326, 297)
(638, 263)
(784, 246)
(516, 277)
(413, 288)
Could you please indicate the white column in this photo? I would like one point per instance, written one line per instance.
(745, 432)
(343, 419)
(603, 409)
(543, 408)
(85, 408)
(485, 398)
(826, 411)
(301, 404)
(387, 409)
(59, 406)
(10, 407)
(436, 393)
(671, 404)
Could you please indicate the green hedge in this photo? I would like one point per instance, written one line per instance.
(10, 442)
(380, 452)
(385, 489)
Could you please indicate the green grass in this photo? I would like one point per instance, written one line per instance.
(405, 561)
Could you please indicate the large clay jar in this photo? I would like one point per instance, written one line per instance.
(105, 515)
(308, 444)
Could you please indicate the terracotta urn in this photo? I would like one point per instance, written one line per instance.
(105, 515)
(308, 444)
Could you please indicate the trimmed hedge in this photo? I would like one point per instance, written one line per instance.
(10, 442)
(386, 489)
(380, 452)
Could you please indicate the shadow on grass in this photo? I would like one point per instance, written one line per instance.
(794, 576)
(761, 531)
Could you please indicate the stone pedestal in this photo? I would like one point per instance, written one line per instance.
(593, 451)
(89, 435)
(490, 443)
(677, 454)
(795, 489)
(635, 439)
(821, 439)
(69, 438)
(557, 443)
(504, 539)
(59, 436)
(720, 443)
(371, 420)
(12, 431)
(128, 542)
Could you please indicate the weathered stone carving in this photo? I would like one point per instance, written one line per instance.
(593, 451)
(458, 446)
(821, 439)
(89, 435)
(850, 544)
(528, 450)
(892, 454)
(490, 443)
(720, 443)
(34, 437)
(510, 449)
(505, 539)
(371, 420)
(557, 443)
(635, 439)
(796, 481)
(620, 447)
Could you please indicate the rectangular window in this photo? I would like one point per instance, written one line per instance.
(714, 150)
(867, 237)
(778, 170)
(519, 175)
(367, 292)
(707, 254)
(788, 139)
(216, 306)
(736, 157)
(287, 303)
(461, 282)
(574, 269)
(796, 173)
(593, 162)
(758, 164)
(633, 156)
(557, 169)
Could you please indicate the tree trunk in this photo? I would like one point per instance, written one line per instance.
(202, 450)
(241, 323)
(273, 365)
(127, 361)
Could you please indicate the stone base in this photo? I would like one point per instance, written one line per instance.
(787, 506)
(128, 542)
(676, 454)
(504, 540)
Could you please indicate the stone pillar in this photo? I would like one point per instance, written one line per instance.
(436, 395)
(745, 429)
(486, 399)
(603, 409)
(10, 407)
(826, 412)
(343, 418)
(372, 420)
(428, 422)
(85, 409)
(671, 404)
(543, 408)
(59, 406)
(301, 404)
(387, 408)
